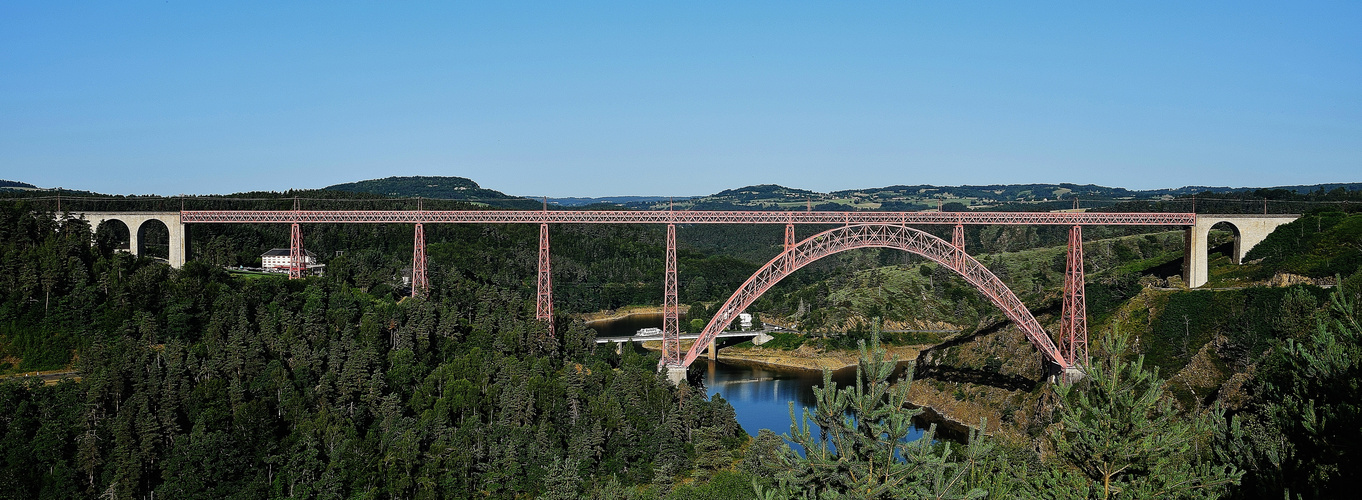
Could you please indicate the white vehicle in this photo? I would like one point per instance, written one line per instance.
(648, 332)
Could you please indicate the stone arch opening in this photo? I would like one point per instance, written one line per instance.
(904, 238)
(1224, 238)
(1248, 230)
(153, 239)
(112, 235)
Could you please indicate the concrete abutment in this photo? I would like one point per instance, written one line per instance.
(1252, 230)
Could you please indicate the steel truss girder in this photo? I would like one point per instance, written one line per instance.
(684, 217)
(879, 236)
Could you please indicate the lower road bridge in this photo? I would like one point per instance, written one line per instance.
(758, 337)
(685, 336)
(1067, 352)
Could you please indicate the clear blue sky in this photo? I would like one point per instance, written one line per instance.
(678, 98)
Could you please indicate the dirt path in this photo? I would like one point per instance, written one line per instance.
(49, 377)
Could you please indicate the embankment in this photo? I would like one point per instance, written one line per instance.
(624, 312)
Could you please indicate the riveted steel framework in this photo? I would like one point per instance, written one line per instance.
(879, 236)
(952, 255)
(958, 241)
(683, 217)
(544, 307)
(671, 327)
(296, 262)
(419, 284)
(1073, 323)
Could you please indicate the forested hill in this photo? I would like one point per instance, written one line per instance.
(1018, 197)
(447, 188)
(195, 383)
(4, 184)
(993, 197)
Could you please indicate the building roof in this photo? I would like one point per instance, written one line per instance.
(284, 252)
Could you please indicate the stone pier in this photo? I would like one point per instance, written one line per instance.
(136, 222)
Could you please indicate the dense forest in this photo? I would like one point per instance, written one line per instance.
(200, 383)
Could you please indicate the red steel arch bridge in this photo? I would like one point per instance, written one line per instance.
(858, 230)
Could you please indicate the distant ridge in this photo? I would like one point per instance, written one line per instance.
(776, 197)
(607, 200)
(4, 184)
(927, 197)
(438, 187)
(899, 197)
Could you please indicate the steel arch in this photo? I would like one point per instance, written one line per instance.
(879, 236)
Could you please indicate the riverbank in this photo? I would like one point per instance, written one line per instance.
(807, 357)
(951, 415)
(625, 312)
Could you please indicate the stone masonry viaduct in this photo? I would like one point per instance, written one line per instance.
(136, 223)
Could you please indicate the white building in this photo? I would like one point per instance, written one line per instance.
(279, 259)
(745, 321)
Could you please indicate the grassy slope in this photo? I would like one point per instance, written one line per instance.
(923, 295)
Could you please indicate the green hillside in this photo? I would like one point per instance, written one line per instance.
(447, 188)
(1281, 362)
(1020, 197)
(1318, 245)
(4, 184)
(201, 383)
(920, 292)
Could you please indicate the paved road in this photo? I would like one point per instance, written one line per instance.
(688, 336)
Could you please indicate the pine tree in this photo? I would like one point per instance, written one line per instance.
(1123, 436)
(861, 448)
(563, 480)
(1301, 435)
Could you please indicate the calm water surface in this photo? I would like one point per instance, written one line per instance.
(760, 396)
(627, 325)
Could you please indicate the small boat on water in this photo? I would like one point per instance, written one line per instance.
(648, 332)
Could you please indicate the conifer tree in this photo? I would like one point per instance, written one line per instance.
(1119, 436)
(1302, 433)
(861, 449)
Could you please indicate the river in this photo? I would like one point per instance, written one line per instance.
(761, 396)
(628, 325)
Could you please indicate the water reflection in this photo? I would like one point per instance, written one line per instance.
(761, 396)
(628, 325)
